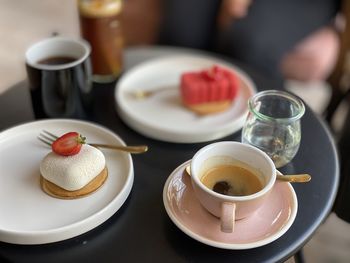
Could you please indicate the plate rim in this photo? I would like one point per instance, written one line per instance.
(33, 237)
(153, 132)
(224, 245)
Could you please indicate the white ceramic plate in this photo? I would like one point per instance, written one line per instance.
(267, 224)
(162, 116)
(30, 216)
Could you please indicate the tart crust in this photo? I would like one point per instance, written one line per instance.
(210, 107)
(58, 192)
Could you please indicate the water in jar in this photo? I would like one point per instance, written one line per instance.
(280, 142)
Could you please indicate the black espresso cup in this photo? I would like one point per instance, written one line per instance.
(60, 77)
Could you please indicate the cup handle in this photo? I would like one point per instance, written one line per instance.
(227, 218)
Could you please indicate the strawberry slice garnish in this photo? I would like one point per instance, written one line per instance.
(68, 144)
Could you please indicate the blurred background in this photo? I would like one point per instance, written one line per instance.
(24, 22)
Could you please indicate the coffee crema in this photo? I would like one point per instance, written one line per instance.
(58, 60)
(232, 180)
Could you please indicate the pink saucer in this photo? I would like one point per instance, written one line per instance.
(268, 223)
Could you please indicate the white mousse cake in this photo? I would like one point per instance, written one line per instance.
(73, 172)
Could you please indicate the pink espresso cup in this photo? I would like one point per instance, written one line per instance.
(231, 208)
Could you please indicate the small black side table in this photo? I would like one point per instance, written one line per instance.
(141, 231)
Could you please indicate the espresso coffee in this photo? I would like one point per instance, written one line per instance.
(59, 60)
(232, 180)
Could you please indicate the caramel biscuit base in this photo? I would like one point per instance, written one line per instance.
(210, 107)
(58, 192)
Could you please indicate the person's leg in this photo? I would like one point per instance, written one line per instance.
(341, 206)
(271, 29)
(313, 58)
(188, 23)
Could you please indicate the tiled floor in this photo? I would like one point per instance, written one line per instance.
(24, 22)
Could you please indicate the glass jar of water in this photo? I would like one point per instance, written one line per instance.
(273, 124)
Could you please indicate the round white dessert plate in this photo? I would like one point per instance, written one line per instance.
(162, 116)
(29, 215)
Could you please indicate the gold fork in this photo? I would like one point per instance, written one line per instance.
(145, 93)
(48, 138)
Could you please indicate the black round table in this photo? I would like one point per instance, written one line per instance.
(141, 230)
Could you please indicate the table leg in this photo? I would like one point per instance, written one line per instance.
(299, 256)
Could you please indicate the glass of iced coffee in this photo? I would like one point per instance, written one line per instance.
(101, 25)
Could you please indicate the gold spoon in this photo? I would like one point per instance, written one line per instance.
(293, 178)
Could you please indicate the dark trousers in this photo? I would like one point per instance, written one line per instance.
(342, 203)
(271, 28)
